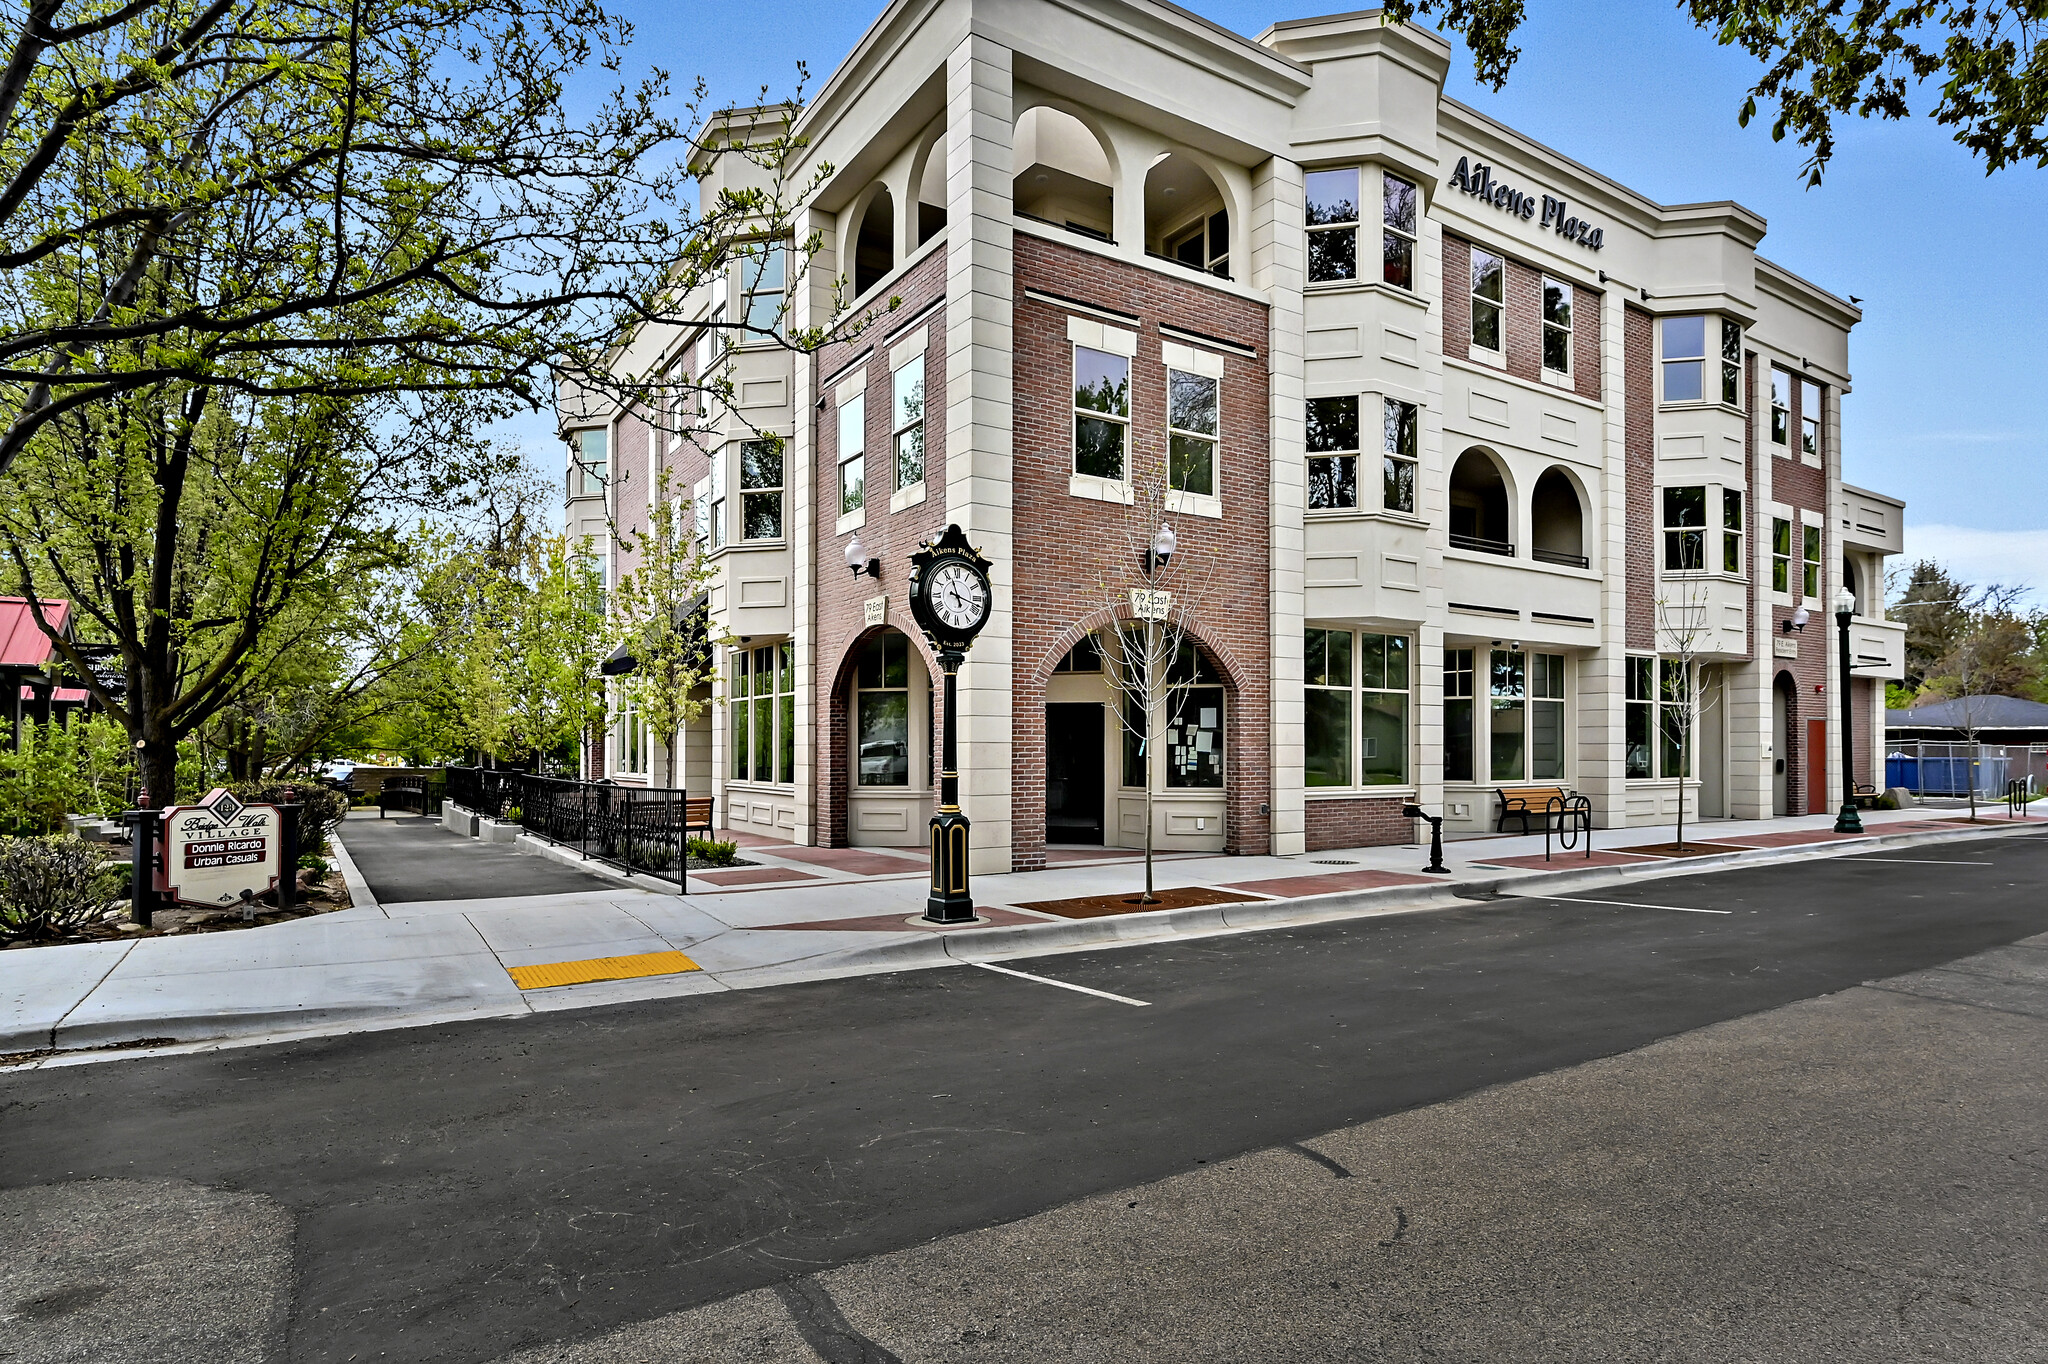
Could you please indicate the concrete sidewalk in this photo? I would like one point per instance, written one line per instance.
(495, 915)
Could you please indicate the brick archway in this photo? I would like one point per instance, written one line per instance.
(836, 734)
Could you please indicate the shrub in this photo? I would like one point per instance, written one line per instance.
(40, 781)
(719, 851)
(50, 885)
(322, 808)
(512, 813)
(314, 863)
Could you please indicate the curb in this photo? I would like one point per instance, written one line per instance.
(360, 896)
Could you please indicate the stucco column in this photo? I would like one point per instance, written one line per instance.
(810, 304)
(1602, 677)
(979, 275)
(1277, 241)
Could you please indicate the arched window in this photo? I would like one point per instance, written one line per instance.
(1479, 505)
(1557, 526)
(1185, 217)
(874, 249)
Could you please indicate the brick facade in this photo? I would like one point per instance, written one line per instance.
(1639, 483)
(1356, 823)
(1066, 546)
(1522, 325)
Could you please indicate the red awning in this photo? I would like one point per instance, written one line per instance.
(22, 642)
(63, 696)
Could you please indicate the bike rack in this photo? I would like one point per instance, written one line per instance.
(1572, 816)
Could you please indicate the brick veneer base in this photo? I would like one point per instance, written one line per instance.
(1355, 823)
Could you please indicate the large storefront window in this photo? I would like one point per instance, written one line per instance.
(1457, 715)
(882, 712)
(762, 691)
(1526, 735)
(634, 755)
(1194, 723)
(1357, 709)
(1658, 699)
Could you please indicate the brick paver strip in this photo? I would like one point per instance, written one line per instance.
(859, 861)
(1692, 849)
(752, 876)
(1565, 861)
(1293, 887)
(549, 974)
(899, 923)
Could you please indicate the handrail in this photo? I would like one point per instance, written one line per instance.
(1482, 545)
(638, 829)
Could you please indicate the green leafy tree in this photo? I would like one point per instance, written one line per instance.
(1823, 59)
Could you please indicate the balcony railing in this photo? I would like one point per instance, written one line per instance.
(1482, 545)
(1558, 556)
(1074, 228)
(1186, 265)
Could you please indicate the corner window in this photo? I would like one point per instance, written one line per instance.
(1658, 703)
(1397, 234)
(853, 436)
(907, 385)
(1457, 715)
(1398, 462)
(1332, 453)
(1356, 731)
(761, 489)
(1526, 716)
(1685, 358)
(1102, 412)
(590, 448)
(1731, 363)
(1781, 554)
(1638, 755)
(761, 691)
(1809, 418)
(1489, 283)
(717, 493)
(1557, 327)
(762, 278)
(882, 712)
(1685, 533)
(1781, 407)
(1206, 245)
(1809, 578)
(1731, 531)
(1674, 702)
(1191, 417)
(1332, 225)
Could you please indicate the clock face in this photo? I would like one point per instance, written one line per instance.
(958, 596)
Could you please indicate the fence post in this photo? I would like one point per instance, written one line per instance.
(681, 807)
(627, 825)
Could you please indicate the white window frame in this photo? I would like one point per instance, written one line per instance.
(1495, 356)
(1813, 422)
(633, 749)
(1390, 228)
(902, 427)
(744, 660)
(1203, 229)
(1813, 530)
(1730, 370)
(1781, 407)
(1734, 532)
(1205, 366)
(1391, 457)
(1338, 225)
(1086, 333)
(1646, 685)
(1482, 745)
(1354, 455)
(779, 489)
(589, 471)
(717, 483)
(753, 268)
(1665, 360)
(1783, 516)
(1667, 528)
(1355, 690)
(852, 461)
(1548, 326)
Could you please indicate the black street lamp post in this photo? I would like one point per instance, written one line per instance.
(1847, 821)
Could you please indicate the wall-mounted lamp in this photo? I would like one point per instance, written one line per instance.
(1164, 542)
(1798, 622)
(857, 558)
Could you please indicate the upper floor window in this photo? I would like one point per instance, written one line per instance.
(1102, 412)
(1809, 417)
(1809, 578)
(907, 384)
(763, 268)
(1489, 281)
(853, 436)
(1332, 225)
(761, 489)
(1206, 245)
(1398, 474)
(1781, 554)
(1685, 534)
(1332, 453)
(1557, 326)
(591, 447)
(1685, 358)
(1731, 362)
(1191, 417)
(1397, 219)
(1731, 531)
(1781, 407)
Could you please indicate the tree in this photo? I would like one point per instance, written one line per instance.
(1824, 58)
(658, 616)
(544, 642)
(1934, 605)
(1682, 628)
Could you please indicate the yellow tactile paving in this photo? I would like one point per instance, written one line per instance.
(639, 964)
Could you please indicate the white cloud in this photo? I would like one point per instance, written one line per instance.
(2018, 557)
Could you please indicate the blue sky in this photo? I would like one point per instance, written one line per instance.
(1950, 407)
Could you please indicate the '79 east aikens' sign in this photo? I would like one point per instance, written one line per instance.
(1478, 180)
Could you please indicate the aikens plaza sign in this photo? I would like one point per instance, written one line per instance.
(1477, 180)
(219, 851)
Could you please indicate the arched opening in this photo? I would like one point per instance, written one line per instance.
(1784, 736)
(882, 725)
(1063, 175)
(1854, 584)
(1557, 521)
(1479, 505)
(874, 248)
(931, 194)
(1186, 220)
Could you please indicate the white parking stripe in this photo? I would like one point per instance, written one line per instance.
(1928, 861)
(1042, 980)
(1625, 904)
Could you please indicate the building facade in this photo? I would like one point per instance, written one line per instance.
(1492, 471)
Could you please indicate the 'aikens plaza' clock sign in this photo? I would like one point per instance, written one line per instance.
(218, 851)
(1477, 180)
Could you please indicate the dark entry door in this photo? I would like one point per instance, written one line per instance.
(1073, 774)
(1817, 767)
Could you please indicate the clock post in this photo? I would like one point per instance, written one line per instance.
(950, 600)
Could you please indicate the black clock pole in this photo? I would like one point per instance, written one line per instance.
(950, 902)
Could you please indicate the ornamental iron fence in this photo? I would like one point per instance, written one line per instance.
(638, 829)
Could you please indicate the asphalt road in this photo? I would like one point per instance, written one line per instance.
(464, 1191)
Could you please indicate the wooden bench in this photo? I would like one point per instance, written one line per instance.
(1522, 802)
(405, 793)
(697, 815)
(1867, 797)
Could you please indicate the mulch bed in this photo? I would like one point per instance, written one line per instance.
(1102, 906)
(322, 898)
(1690, 849)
